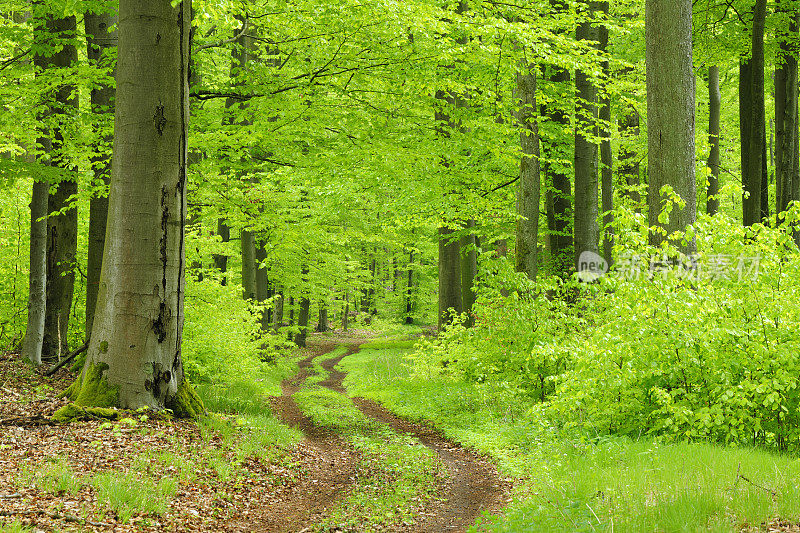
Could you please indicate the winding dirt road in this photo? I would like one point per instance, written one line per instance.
(472, 486)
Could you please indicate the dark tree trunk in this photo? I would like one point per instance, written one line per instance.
(714, 109)
(221, 260)
(62, 229)
(629, 167)
(322, 324)
(263, 290)
(248, 265)
(409, 318)
(786, 122)
(278, 322)
(670, 115)
(302, 322)
(558, 190)
(587, 230)
(449, 276)
(469, 271)
(752, 120)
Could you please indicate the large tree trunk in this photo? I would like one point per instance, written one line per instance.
(302, 320)
(714, 110)
(101, 43)
(134, 355)
(587, 230)
(62, 229)
(606, 155)
(449, 276)
(323, 324)
(528, 189)
(629, 167)
(752, 119)
(670, 114)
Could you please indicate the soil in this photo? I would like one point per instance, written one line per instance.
(293, 494)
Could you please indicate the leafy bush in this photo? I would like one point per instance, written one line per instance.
(705, 353)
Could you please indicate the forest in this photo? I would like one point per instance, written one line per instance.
(416, 266)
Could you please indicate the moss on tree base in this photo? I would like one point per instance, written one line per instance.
(72, 412)
(186, 403)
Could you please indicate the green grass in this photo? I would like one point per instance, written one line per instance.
(572, 482)
(330, 409)
(130, 494)
(15, 527)
(320, 374)
(55, 477)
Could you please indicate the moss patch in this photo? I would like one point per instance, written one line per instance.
(94, 389)
(72, 412)
(186, 403)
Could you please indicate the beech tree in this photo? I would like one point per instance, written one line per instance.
(670, 116)
(134, 355)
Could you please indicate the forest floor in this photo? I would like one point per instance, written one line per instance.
(352, 466)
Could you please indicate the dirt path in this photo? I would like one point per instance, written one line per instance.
(473, 485)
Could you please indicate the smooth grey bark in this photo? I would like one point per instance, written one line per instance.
(714, 110)
(753, 122)
(449, 277)
(586, 227)
(670, 114)
(34, 333)
(100, 43)
(248, 242)
(469, 271)
(62, 229)
(221, 260)
(138, 327)
(606, 155)
(529, 184)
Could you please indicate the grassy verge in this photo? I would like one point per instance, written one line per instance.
(575, 482)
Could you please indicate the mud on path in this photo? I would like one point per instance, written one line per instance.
(472, 487)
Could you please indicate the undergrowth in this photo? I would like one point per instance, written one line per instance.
(571, 480)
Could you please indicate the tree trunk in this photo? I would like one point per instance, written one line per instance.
(221, 260)
(409, 318)
(34, 333)
(606, 155)
(587, 230)
(528, 189)
(346, 313)
(752, 120)
(302, 322)
(278, 319)
(449, 277)
(714, 110)
(323, 325)
(62, 229)
(629, 167)
(262, 285)
(134, 356)
(101, 43)
(670, 114)
(248, 265)
(559, 184)
(786, 121)
(469, 271)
